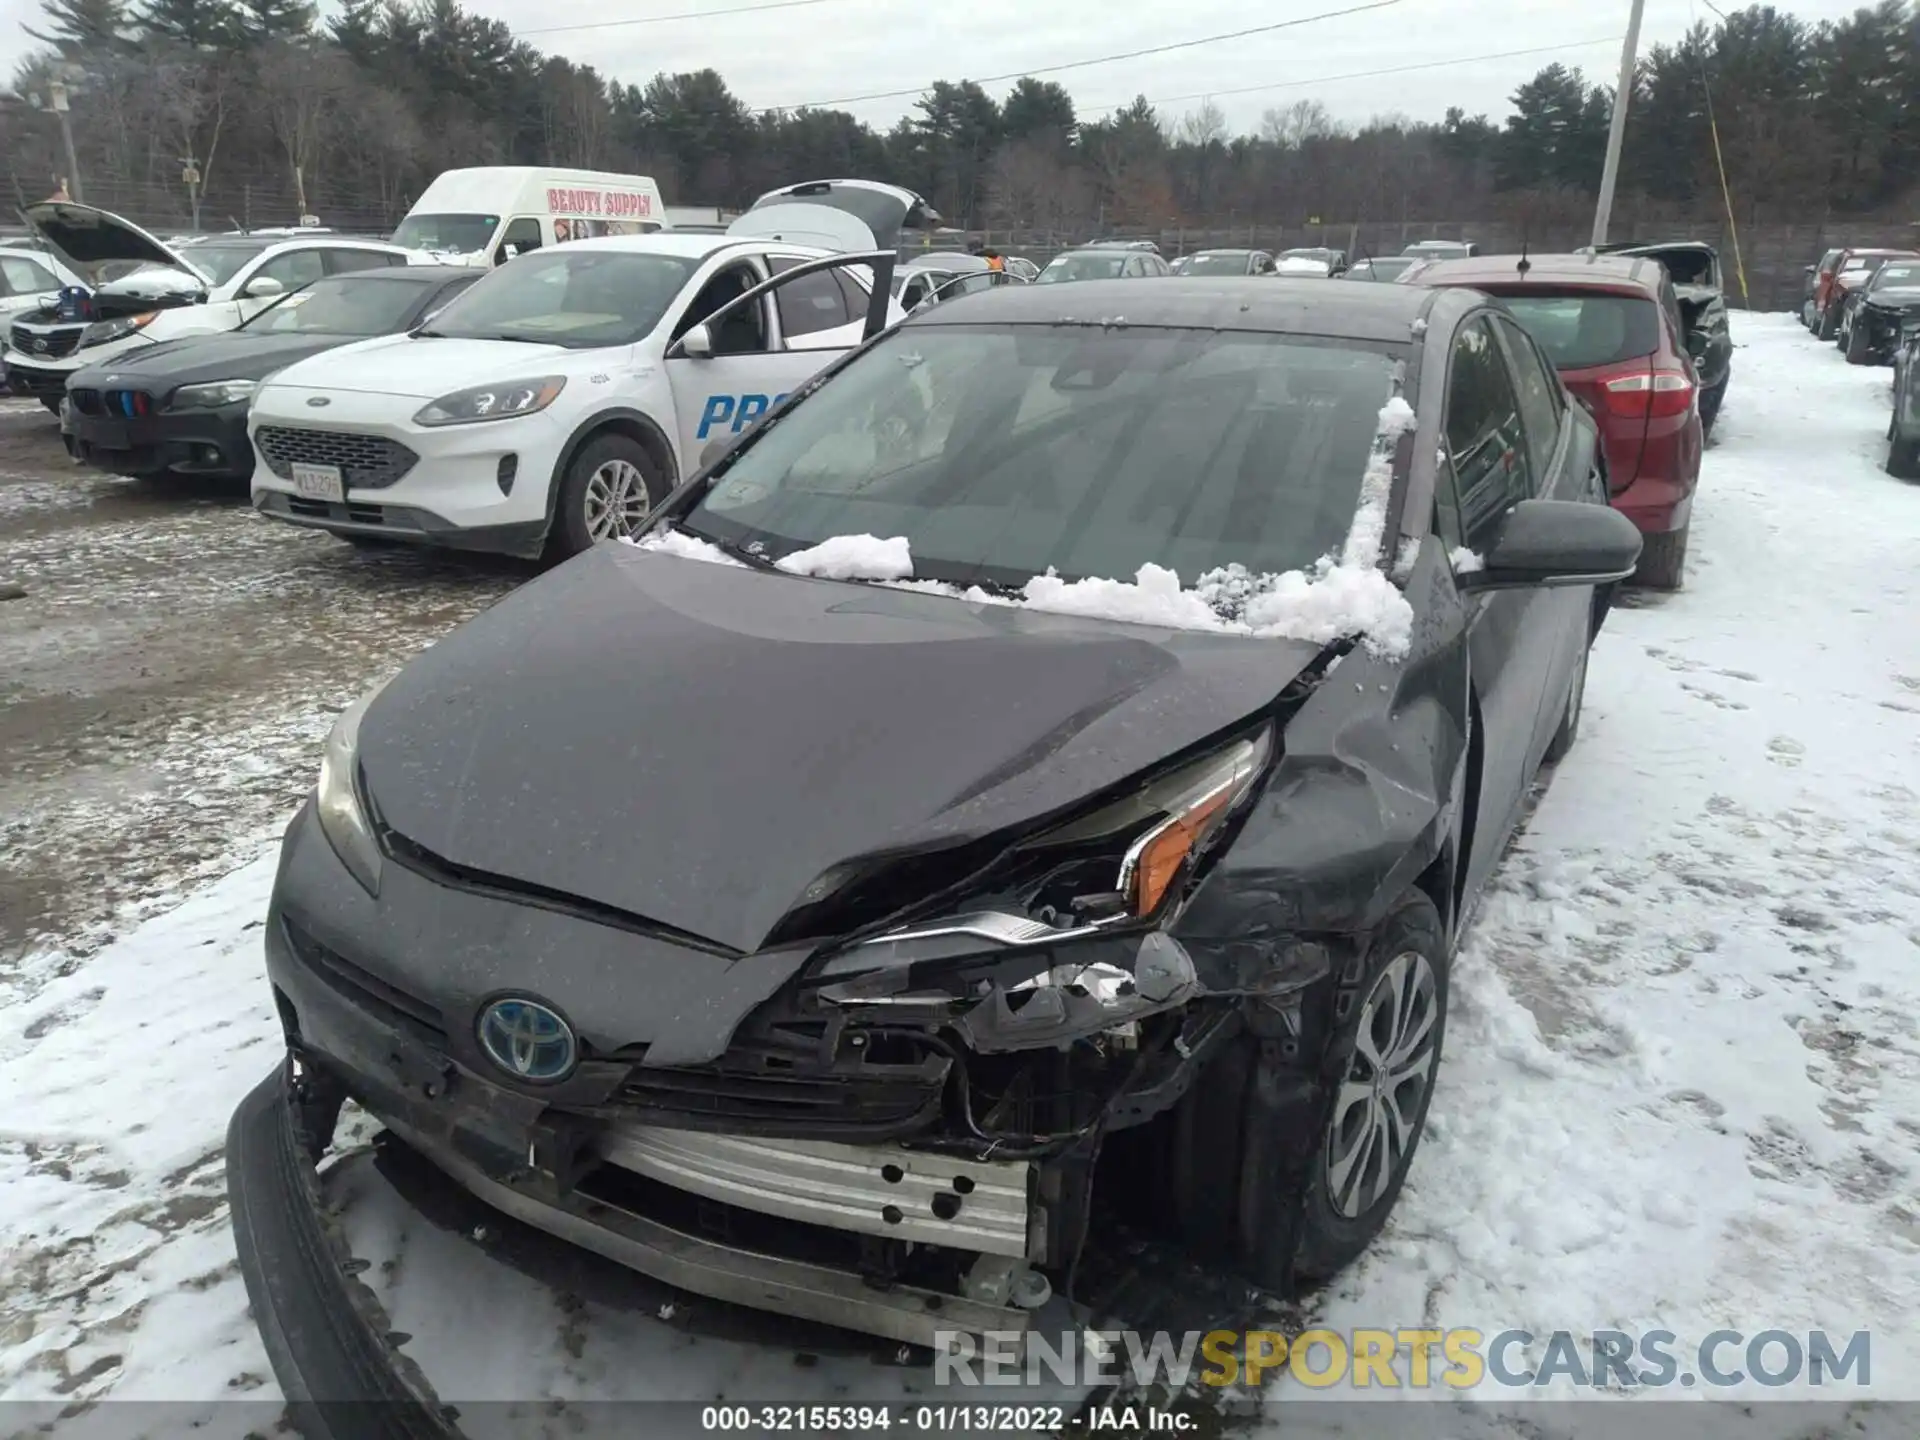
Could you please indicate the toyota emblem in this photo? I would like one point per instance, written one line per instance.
(39, 347)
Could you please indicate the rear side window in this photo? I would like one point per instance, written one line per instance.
(1581, 330)
(809, 304)
(345, 262)
(25, 277)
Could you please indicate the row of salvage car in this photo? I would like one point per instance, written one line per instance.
(1073, 748)
(1866, 301)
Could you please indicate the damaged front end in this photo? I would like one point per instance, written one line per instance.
(902, 1140)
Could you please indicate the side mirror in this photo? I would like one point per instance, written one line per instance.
(1697, 344)
(697, 343)
(1554, 543)
(264, 287)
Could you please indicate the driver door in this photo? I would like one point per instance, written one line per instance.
(766, 341)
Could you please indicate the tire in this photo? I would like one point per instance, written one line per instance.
(1663, 561)
(1251, 1157)
(370, 542)
(51, 402)
(1829, 322)
(1569, 730)
(1349, 1195)
(1903, 458)
(609, 490)
(1858, 346)
(1710, 406)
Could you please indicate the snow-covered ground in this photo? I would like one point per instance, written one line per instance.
(1682, 1083)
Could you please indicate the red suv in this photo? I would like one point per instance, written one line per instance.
(1612, 326)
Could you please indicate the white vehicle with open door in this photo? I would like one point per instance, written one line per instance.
(558, 400)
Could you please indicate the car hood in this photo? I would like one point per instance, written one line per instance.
(422, 368)
(696, 743)
(195, 359)
(86, 239)
(1895, 297)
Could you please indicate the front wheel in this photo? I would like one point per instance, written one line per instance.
(1858, 345)
(52, 402)
(1903, 458)
(1829, 322)
(608, 493)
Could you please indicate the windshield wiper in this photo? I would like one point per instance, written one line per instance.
(750, 558)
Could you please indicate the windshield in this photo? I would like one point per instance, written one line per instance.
(220, 262)
(1896, 274)
(1217, 262)
(448, 234)
(568, 296)
(1325, 257)
(1087, 265)
(1385, 269)
(1003, 452)
(342, 305)
(1582, 329)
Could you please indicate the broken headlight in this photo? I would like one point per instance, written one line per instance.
(337, 801)
(1112, 868)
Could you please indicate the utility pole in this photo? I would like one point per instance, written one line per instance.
(57, 102)
(1617, 132)
(190, 175)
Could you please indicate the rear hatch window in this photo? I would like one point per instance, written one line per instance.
(1582, 330)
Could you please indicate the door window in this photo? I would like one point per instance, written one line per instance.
(744, 330)
(520, 237)
(811, 303)
(293, 269)
(1540, 398)
(1484, 433)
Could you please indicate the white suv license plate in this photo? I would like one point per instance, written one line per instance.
(319, 482)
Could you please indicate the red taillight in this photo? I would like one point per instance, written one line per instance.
(1654, 393)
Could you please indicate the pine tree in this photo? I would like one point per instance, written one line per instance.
(74, 26)
(264, 20)
(197, 24)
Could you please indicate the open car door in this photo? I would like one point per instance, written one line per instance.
(717, 395)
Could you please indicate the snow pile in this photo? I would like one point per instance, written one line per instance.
(1465, 561)
(852, 557)
(688, 547)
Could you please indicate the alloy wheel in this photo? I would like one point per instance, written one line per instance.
(1379, 1101)
(617, 501)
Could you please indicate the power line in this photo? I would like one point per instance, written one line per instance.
(1370, 74)
(666, 19)
(1101, 59)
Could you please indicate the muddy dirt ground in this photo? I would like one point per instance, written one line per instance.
(167, 679)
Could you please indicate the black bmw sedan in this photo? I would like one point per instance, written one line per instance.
(1053, 756)
(181, 407)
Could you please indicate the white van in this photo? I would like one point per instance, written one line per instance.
(490, 213)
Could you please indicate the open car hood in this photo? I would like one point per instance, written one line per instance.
(87, 239)
(843, 215)
(695, 744)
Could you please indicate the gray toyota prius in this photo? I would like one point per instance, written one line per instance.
(1035, 779)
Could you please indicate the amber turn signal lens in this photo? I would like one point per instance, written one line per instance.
(1162, 856)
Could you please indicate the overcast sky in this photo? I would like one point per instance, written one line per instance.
(827, 50)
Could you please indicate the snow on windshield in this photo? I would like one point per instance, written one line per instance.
(1339, 597)
(687, 547)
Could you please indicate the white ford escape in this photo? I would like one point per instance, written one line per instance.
(559, 399)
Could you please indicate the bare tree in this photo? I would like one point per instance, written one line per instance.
(1033, 186)
(1201, 128)
(300, 86)
(1292, 126)
(190, 91)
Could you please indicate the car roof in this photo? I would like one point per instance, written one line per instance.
(1224, 250)
(417, 274)
(1615, 272)
(1381, 314)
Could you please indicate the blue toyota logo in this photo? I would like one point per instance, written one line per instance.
(527, 1040)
